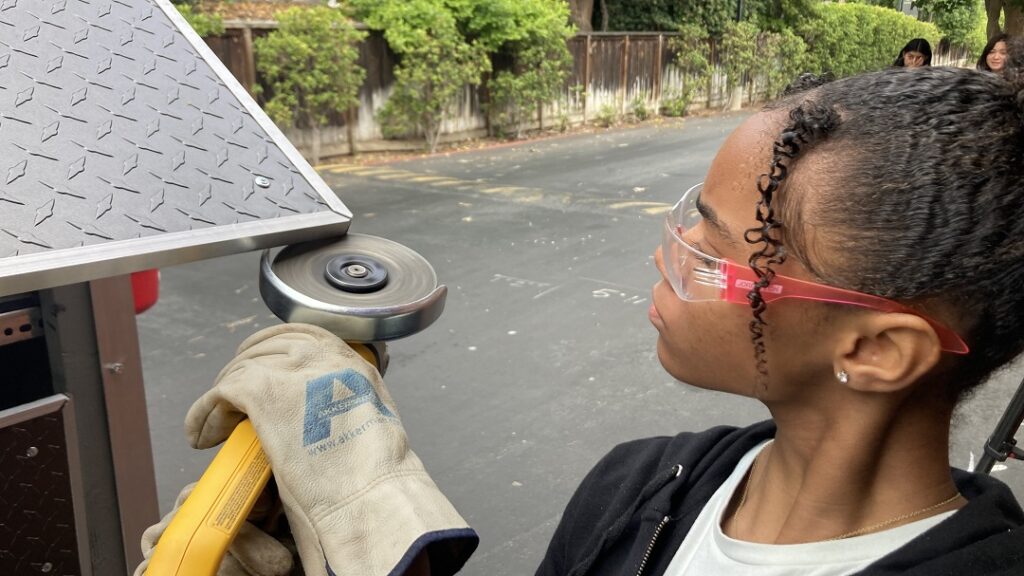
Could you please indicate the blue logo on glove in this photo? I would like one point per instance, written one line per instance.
(321, 405)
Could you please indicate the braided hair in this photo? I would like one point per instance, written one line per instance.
(924, 202)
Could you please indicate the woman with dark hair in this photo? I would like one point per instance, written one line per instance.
(853, 261)
(917, 53)
(993, 56)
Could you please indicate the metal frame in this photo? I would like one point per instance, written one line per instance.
(94, 356)
(74, 265)
(64, 405)
(22, 324)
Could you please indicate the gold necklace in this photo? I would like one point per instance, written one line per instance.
(857, 532)
(874, 527)
(746, 487)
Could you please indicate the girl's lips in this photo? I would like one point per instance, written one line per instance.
(653, 316)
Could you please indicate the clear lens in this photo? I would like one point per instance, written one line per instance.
(694, 276)
(698, 277)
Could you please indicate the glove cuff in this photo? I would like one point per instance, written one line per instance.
(447, 550)
(385, 529)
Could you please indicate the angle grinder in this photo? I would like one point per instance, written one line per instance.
(365, 289)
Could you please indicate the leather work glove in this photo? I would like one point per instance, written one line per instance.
(358, 500)
(253, 552)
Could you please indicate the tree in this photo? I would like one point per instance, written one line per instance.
(582, 12)
(781, 15)
(956, 19)
(204, 24)
(1011, 10)
(781, 57)
(712, 15)
(435, 63)
(530, 36)
(309, 66)
(739, 53)
(692, 57)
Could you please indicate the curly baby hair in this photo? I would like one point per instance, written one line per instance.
(914, 192)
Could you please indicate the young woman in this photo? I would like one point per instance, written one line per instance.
(917, 53)
(853, 260)
(993, 56)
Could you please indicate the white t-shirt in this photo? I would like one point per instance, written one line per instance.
(707, 550)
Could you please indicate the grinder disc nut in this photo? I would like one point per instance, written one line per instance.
(356, 273)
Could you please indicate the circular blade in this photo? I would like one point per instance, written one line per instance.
(297, 287)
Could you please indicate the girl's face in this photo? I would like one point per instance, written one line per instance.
(913, 59)
(708, 344)
(996, 59)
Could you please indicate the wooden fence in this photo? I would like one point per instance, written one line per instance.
(611, 72)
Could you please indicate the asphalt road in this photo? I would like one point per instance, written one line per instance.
(544, 358)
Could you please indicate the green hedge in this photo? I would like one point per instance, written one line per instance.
(847, 39)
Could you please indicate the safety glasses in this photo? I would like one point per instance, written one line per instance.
(698, 277)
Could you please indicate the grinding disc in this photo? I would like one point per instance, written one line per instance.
(297, 286)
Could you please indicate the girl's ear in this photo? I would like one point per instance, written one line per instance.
(887, 352)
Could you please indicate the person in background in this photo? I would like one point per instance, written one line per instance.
(993, 57)
(917, 53)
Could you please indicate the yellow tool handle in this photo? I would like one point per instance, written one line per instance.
(198, 536)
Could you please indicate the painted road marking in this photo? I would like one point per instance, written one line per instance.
(419, 178)
(505, 190)
(652, 208)
(335, 169)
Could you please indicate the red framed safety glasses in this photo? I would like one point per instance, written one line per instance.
(699, 277)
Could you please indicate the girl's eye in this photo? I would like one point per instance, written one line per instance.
(702, 255)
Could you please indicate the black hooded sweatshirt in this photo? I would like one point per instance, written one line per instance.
(634, 508)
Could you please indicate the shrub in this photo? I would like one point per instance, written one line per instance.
(781, 57)
(607, 116)
(957, 20)
(638, 107)
(692, 54)
(205, 24)
(435, 63)
(529, 36)
(739, 51)
(675, 103)
(847, 39)
(309, 66)
(978, 37)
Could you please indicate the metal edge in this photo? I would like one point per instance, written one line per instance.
(72, 265)
(264, 121)
(29, 410)
(14, 320)
(124, 398)
(77, 489)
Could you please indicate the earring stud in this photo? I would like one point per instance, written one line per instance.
(842, 376)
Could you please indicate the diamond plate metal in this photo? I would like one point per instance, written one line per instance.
(37, 517)
(117, 128)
